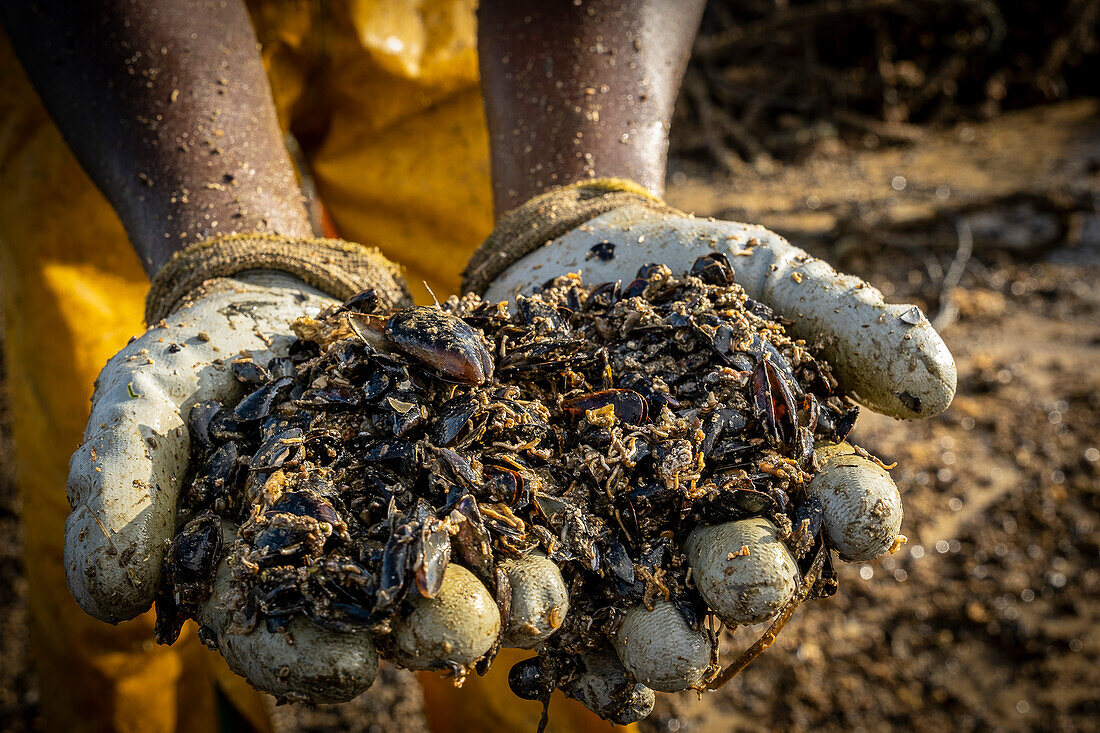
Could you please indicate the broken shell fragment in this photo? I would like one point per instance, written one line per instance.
(742, 569)
(540, 600)
(861, 503)
(456, 627)
(607, 689)
(661, 650)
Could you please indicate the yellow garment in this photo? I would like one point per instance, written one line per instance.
(384, 97)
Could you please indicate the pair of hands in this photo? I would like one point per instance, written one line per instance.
(126, 477)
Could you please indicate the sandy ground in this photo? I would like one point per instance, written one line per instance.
(990, 617)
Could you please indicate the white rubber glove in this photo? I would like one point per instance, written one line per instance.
(125, 480)
(888, 357)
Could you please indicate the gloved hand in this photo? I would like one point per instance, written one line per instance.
(888, 357)
(214, 300)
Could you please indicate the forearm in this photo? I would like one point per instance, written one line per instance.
(580, 90)
(167, 107)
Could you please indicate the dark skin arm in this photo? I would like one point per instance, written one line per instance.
(167, 107)
(580, 90)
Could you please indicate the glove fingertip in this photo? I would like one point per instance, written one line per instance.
(303, 663)
(661, 650)
(539, 600)
(99, 576)
(605, 688)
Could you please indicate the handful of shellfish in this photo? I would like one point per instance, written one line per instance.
(613, 475)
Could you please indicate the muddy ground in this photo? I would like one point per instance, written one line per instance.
(990, 617)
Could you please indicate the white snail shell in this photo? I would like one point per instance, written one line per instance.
(661, 650)
(742, 569)
(458, 625)
(540, 600)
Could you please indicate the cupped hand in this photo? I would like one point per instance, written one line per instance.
(886, 356)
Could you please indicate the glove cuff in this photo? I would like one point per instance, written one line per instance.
(338, 268)
(547, 217)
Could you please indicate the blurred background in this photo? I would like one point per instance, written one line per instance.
(949, 152)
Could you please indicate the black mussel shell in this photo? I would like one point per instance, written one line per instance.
(281, 367)
(249, 372)
(278, 450)
(455, 423)
(365, 301)
(604, 296)
(602, 251)
(404, 410)
(629, 406)
(224, 426)
(306, 504)
(725, 421)
(433, 554)
(636, 288)
(194, 552)
(329, 398)
(774, 402)
(537, 314)
(198, 419)
(618, 561)
(376, 385)
(528, 680)
(836, 426)
(714, 269)
(812, 513)
(257, 405)
(442, 343)
(217, 477)
(388, 450)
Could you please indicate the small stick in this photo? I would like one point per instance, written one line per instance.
(781, 620)
(707, 47)
(947, 74)
(888, 131)
(948, 310)
(888, 77)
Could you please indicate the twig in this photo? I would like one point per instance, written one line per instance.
(892, 111)
(946, 75)
(765, 28)
(736, 130)
(888, 131)
(948, 310)
(780, 621)
(1061, 47)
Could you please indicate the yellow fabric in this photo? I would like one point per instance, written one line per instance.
(383, 96)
